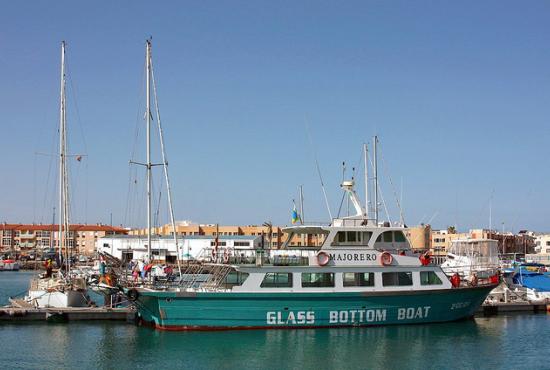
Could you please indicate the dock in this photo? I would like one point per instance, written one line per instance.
(492, 309)
(21, 313)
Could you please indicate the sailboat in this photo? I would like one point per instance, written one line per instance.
(60, 289)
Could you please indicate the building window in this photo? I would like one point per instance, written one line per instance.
(397, 278)
(358, 278)
(241, 244)
(429, 278)
(277, 280)
(317, 280)
(548, 243)
(220, 244)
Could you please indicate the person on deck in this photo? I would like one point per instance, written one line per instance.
(49, 267)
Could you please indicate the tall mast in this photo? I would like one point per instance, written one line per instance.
(365, 150)
(148, 164)
(375, 141)
(61, 239)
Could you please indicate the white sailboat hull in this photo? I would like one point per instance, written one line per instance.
(57, 299)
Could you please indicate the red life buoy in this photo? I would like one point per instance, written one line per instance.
(386, 258)
(323, 258)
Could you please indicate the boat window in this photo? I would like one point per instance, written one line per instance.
(366, 237)
(277, 280)
(352, 236)
(341, 237)
(358, 278)
(317, 280)
(429, 278)
(399, 237)
(387, 236)
(397, 278)
(379, 238)
(235, 278)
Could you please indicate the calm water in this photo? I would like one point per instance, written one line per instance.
(503, 342)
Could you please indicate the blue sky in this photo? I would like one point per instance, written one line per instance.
(458, 93)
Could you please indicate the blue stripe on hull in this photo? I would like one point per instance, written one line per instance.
(272, 310)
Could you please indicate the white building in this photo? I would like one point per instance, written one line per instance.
(542, 250)
(163, 248)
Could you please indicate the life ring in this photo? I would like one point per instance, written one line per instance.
(386, 258)
(323, 258)
(133, 295)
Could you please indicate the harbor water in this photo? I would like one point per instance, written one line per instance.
(500, 342)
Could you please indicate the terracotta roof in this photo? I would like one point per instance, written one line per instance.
(55, 227)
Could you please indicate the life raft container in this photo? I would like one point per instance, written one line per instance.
(386, 258)
(323, 258)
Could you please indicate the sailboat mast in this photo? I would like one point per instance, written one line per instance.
(148, 120)
(61, 239)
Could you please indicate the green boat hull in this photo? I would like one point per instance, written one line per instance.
(217, 311)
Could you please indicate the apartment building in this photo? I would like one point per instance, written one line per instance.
(23, 238)
(274, 236)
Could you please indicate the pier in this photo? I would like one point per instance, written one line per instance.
(26, 314)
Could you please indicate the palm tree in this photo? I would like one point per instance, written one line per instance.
(451, 230)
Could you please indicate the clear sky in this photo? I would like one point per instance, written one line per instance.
(458, 92)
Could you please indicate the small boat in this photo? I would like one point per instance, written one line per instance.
(534, 278)
(469, 257)
(9, 265)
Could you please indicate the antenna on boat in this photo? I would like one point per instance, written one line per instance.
(318, 171)
(365, 152)
(375, 170)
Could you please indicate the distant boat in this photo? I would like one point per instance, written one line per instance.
(9, 265)
(534, 278)
(61, 289)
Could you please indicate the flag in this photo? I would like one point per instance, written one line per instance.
(295, 216)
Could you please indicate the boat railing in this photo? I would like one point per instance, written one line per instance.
(273, 257)
(350, 222)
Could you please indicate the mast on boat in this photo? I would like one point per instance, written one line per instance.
(375, 174)
(366, 154)
(63, 174)
(150, 85)
(148, 138)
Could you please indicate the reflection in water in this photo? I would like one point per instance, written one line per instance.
(482, 343)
